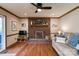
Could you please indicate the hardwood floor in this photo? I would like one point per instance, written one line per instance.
(15, 48)
(33, 48)
(38, 50)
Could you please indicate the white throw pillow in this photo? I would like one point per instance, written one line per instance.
(77, 47)
(60, 39)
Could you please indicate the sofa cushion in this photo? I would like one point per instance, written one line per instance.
(73, 40)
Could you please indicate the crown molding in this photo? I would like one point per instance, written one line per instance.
(8, 12)
(69, 11)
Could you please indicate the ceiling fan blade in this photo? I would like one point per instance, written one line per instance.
(38, 5)
(36, 11)
(34, 4)
(46, 7)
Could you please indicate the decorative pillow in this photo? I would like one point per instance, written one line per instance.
(73, 40)
(77, 47)
(60, 39)
(67, 38)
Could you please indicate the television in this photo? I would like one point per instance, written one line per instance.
(22, 32)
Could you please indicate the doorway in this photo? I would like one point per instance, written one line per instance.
(2, 33)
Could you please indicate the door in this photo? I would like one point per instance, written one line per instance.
(2, 33)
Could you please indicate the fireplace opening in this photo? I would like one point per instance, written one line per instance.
(39, 34)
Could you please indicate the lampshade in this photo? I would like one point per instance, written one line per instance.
(59, 32)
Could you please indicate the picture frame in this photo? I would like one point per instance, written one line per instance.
(13, 25)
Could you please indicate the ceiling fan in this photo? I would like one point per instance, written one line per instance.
(40, 7)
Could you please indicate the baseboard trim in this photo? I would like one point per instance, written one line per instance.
(55, 51)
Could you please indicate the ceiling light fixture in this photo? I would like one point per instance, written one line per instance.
(39, 10)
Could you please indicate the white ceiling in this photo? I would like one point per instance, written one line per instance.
(28, 10)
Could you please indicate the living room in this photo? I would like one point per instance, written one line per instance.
(38, 23)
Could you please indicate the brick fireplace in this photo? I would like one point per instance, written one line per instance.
(40, 29)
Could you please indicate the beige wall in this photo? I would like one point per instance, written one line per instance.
(54, 29)
(70, 22)
(24, 21)
(10, 18)
(53, 22)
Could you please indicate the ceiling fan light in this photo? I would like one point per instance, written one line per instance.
(39, 10)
